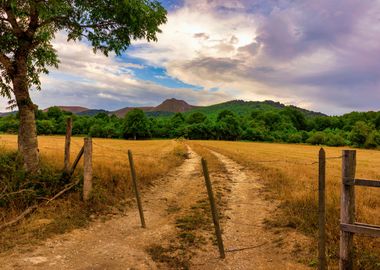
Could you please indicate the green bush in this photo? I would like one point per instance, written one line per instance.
(335, 140)
(295, 138)
(22, 190)
(317, 138)
(45, 127)
(360, 133)
(373, 140)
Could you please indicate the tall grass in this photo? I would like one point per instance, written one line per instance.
(294, 181)
(112, 184)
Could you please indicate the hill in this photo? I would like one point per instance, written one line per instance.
(174, 105)
(168, 107)
(171, 106)
(73, 109)
(242, 107)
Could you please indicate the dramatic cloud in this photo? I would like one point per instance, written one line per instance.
(322, 55)
(319, 54)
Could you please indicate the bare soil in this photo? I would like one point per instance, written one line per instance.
(120, 243)
(249, 242)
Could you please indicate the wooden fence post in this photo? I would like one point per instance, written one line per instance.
(347, 209)
(87, 169)
(322, 210)
(136, 189)
(69, 127)
(214, 210)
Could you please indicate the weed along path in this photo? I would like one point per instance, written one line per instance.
(249, 243)
(179, 228)
(120, 243)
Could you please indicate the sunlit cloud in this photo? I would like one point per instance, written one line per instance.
(320, 55)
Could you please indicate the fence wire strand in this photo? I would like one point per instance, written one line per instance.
(295, 162)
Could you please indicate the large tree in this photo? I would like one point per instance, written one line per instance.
(27, 28)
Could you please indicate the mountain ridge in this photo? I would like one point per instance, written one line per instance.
(171, 106)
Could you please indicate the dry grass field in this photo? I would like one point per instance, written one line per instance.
(289, 174)
(110, 157)
(112, 183)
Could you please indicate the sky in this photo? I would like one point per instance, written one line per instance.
(320, 55)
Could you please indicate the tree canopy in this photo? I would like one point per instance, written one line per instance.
(27, 28)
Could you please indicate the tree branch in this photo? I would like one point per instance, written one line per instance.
(6, 62)
(21, 216)
(12, 20)
(33, 23)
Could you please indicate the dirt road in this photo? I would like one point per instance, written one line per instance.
(249, 243)
(120, 243)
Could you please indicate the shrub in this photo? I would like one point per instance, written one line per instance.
(360, 133)
(295, 138)
(373, 140)
(255, 134)
(317, 138)
(45, 127)
(335, 140)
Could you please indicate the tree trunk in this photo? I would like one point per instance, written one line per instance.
(27, 136)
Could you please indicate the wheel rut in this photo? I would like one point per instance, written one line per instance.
(249, 244)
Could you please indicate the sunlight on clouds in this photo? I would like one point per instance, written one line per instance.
(321, 55)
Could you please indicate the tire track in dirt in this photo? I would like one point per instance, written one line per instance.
(248, 242)
(119, 243)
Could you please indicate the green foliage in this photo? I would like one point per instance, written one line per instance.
(9, 124)
(373, 140)
(45, 127)
(228, 126)
(136, 125)
(295, 138)
(317, 138)
(22, 190)
(297, 118)
(335, 140)
(360, 133)
(28, 27)
(280, 125)
(196, 118)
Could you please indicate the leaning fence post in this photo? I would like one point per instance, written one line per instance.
(214, 211)
(69, 127)
(322, 210)
(136, 189)
(347, 209)
(87, 169)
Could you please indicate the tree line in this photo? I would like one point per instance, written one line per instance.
(358, 129)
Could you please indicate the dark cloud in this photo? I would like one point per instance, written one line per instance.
(202, 36)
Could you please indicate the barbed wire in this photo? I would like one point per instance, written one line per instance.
(294, 162)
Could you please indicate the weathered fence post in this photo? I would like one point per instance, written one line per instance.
(347, 209)
(87, 169)
(69, 127)
(76, 161)
(322, 210)
(214, 210)
(136, 189)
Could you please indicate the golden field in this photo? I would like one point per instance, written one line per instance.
(112, 191)
(152, 158)
(288, 173)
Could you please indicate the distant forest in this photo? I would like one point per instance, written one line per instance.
(288, 125)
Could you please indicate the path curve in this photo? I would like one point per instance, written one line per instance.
(119, 243)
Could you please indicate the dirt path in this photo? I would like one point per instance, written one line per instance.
(249, 243)
(119, 243)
